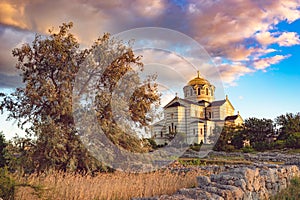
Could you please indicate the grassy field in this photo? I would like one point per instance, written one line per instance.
(118, 185)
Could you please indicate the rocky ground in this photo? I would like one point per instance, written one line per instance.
(260, 180)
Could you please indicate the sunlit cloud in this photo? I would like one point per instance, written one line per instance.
(283, 39)
(264, 63)
(236, 34)
(231, 72)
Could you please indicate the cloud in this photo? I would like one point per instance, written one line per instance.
(231, 72)
(7, 81)
(239, 32)
(264, 63)
(282, 39)
(11, 38)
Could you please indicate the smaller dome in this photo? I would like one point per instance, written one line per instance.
(198, 81)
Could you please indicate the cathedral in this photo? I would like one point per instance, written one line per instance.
(197, 114)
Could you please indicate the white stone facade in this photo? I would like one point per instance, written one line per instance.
(196, 115)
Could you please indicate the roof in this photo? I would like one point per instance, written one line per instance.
(233, 117)
(203, 101)
(189, 101)
(179, 101)
(217, 103)
(198, 81)
(175, 104)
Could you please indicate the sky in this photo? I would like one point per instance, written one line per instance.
(254, 44)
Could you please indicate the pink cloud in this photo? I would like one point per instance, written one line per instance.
(264, 63)
(231, 72)
(224, 28)
(282, 39)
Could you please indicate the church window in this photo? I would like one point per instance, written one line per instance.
(172, 129)
(169, 129)
(206, 91)
(161, 134)
(201, 131)
(199, 91)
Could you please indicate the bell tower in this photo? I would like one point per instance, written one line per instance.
(199, 89)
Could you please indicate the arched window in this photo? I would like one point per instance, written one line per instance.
(199, 91)
(206, 91)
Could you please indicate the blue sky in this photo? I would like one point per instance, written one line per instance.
(254, 44)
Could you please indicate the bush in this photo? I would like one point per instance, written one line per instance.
(248, 149)
(7, 185)
(261, 146)
(293, 140)
(229, 148)
(279, 144)
(291, 192)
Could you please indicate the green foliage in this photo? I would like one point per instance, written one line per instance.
(288, 123)
(3, 145)
(195, 162)
(278, 144)
(248, 149)
(152, 143)
(293, 140)
(196, 146)
(230, 138)
(49, 67)
(258, 130)
(292, 192)
(7, 185)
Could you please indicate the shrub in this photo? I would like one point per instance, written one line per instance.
(293, 140)
(7, 185)
(261, 146)
(291, 192)
(279, 144)
(248, 149)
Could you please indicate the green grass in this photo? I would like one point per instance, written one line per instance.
(213, 161)
(292, 192)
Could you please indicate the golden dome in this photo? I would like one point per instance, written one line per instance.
(198, 81)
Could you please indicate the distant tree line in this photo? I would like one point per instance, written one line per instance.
(263, 134)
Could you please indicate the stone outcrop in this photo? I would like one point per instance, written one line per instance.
(280, 157)
(239, 182)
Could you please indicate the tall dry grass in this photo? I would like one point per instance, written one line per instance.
(118, 185)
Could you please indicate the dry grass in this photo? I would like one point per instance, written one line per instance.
(118, 185)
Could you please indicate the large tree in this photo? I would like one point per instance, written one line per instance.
(49, 67)
(258, 130)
